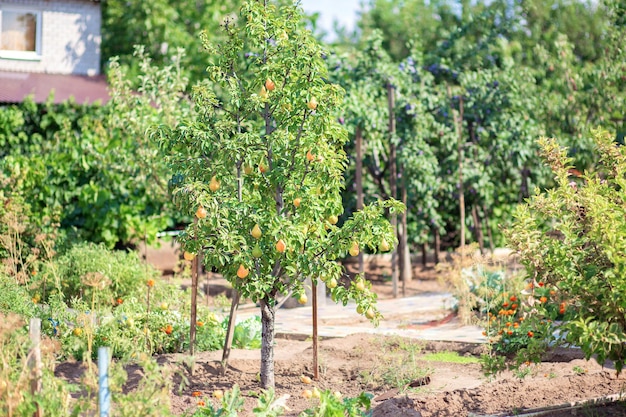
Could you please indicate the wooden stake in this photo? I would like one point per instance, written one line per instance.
(194, 300)
(34, 362)
(458, 123)
(316, 368)
(358, 179)
(228, 342)
(232, 318)
(393, 189)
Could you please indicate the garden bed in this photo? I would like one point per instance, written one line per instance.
(368, 363)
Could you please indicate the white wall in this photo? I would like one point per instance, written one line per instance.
(70, 36)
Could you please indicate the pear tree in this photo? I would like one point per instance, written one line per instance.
(260, 166)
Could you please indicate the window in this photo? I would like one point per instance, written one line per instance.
(20, 33)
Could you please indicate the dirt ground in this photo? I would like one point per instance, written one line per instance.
(354, 364)
(374, 363)
(364, 362)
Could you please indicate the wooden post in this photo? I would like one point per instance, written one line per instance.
(491, 244)
(403, 241)
(34, 361)
(392, 184)
(206, 280)
(232, 318)
(437, 244)
(458, 123)
(316, 367)
(194, 300)
(478, 227)
(358, 178)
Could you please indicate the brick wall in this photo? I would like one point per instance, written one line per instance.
(70, 37)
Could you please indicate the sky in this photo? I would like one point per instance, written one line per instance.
(343, 11)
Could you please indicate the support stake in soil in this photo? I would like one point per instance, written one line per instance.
(194, 300)
(316, 370)
(35, 360)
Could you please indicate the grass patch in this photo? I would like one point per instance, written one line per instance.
(398, 365)
(447, 356)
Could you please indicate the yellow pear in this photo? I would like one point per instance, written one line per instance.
(281, 246)
(384, 246)
(303, 299)
(256, 232)
(312, 104)
(354, 249)
(201, 212)
(263, 93)
(242, 272)
(214, 185)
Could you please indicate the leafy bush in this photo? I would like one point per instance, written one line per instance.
(571, 243)
(150, 398)
(122, 274)
(15, 298)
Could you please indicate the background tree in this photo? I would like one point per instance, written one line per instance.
(91, 166)
(161, 27)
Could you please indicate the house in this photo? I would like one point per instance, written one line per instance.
(51, 46)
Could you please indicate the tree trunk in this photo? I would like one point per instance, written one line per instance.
(403, 244)
(424, 254)
(437, 245)
(461, 187)
(478, 227)
(358, 178)
(393, 176)
(268, 314)
(487, 225)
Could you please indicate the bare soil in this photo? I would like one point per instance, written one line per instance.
(352, 365)
(360, 362)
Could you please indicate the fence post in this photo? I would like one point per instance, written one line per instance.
(34, 361)
(104, 394)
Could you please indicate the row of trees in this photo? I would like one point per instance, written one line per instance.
(519, 70)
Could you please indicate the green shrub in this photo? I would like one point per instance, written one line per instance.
(88, 269)
(15, 298)
(149, 398)
(571, 242)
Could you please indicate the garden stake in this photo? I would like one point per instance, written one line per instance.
(232, 318)
(393, 188)
(194, 299)
(458, 123)
(34, 361)
(316, 375)
(104, 394)
(228, 342)
(145, 327)
(358, 179)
